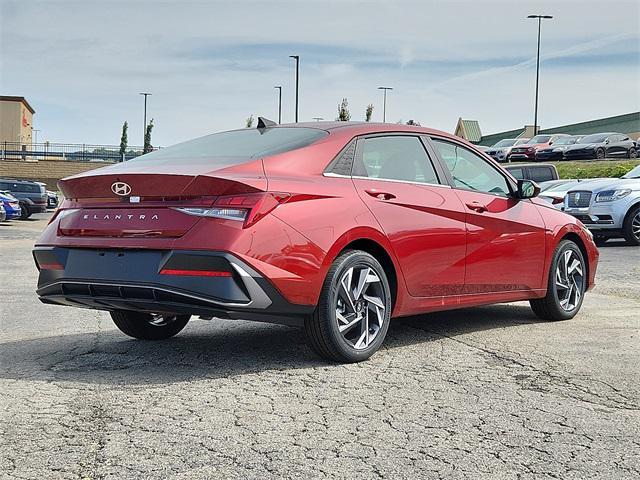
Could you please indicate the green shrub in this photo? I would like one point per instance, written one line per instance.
(595, 169)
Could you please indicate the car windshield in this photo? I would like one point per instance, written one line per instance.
(505, 143)
(635, 173)
(217, 149)
(565, 141)
(595, 138)
(540, 139)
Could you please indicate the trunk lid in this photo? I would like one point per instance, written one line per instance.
(128, 200)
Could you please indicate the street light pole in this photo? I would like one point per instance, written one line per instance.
(35, 130)
(535, 115)
(144, 129)
(279, 87)
(384, 103)
(297, 59)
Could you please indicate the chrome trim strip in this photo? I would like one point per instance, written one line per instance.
(337, 175)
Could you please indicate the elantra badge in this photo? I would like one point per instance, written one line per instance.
(120, 188)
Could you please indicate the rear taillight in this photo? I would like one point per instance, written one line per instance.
(247, 208)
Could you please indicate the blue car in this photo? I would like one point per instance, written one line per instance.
(11, 205)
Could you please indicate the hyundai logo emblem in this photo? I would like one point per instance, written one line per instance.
(120, 188)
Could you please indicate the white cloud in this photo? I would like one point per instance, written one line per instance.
(211, 64)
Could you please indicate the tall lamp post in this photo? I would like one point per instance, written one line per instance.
(35, 130)
(535, 115)
(279, 87)
(384, 103)
(297, 59)
(144, 129)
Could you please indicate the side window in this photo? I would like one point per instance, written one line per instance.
(518, 173)
(395, 158)
(470, 171)
(541, 174)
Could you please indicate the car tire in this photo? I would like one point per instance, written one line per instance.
(146, 326)
(354, 310)
(600, 153)
(633, 153)
(566, 286)
(600, 240)
(631, 226)
(24, 212)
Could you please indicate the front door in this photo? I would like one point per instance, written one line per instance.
(505, 235)
(423, 219)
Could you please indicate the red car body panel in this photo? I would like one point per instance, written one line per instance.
(444, 253)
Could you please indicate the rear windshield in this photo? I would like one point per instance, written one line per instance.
(505, 143)
(21, 187)
(219, 149)
(540, 139)
(595, 138)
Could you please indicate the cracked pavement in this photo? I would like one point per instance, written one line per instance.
(484, 393)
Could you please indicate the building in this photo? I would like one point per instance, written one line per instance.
(628, 124)
(16, 120)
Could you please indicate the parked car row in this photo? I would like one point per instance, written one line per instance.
(564, 147)
(22, 198)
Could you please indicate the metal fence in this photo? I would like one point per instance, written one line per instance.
(73, 152)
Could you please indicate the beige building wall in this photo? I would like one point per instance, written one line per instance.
(16, 120)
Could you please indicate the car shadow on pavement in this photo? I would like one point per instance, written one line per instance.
(209, 350)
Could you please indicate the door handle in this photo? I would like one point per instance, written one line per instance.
(477, 206)
(380, 195)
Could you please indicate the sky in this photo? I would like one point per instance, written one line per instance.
(211, 64)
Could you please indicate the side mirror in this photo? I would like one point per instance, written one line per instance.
(527, 189)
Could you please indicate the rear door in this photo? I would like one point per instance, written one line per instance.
(422, 217)
(505, 235)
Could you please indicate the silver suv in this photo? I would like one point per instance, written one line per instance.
(609, 207)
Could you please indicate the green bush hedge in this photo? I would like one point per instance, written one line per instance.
(595, 169)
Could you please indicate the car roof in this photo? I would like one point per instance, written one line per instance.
(517, 165)
(17, 180)
(363, 128)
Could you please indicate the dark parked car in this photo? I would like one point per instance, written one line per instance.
(556, 151)
(334, 227)
(602, 145)
(31, 195)
(538, 172)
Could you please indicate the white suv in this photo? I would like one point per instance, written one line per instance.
(609, 207)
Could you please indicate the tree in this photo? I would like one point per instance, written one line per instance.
(343, 111)
(367, 115)
(413, 122)
(147, 138)
(249, 122)
(123, 139)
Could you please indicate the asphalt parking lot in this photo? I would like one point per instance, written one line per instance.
(486, 393)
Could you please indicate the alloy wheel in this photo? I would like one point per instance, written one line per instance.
(360, 306)
(635, 225)
(569, 280)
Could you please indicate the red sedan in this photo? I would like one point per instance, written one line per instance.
(336, 227)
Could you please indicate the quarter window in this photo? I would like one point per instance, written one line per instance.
(400, 158)
(470, 171)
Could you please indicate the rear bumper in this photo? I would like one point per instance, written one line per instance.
(37, 208)
(137, 280)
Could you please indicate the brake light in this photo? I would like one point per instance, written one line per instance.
(50, 266)
(247, 208)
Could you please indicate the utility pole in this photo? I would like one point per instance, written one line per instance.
(535, 115)
(144, 129)
(384, 103)
(279, 87)
(297, 59)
